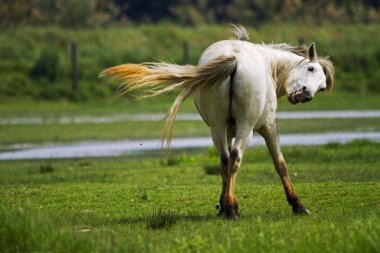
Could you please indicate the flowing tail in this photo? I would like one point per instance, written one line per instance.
(154, 79)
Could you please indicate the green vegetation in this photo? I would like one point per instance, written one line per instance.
(39, 133)
(161, 219)
(86, 13)
(164, 202)
(108, 107)
(97, 205)
(16, 134)
(36, 60)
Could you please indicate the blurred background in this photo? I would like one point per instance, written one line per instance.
(51, 53)
(62, 188)
(54, 50)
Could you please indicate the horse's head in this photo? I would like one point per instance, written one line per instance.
(308, 77)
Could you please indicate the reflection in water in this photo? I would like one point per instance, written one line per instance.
(124, 147)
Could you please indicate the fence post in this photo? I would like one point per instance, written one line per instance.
(186, 52)
(74, 66)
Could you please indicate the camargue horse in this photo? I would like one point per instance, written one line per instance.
(235, 88)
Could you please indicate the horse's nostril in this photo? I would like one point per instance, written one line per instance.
(304, 88)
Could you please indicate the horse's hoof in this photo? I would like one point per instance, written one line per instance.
(301, 210)
(231, 213)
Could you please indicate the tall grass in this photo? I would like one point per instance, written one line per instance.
(130, 204)
(23, 230)
(35, 61)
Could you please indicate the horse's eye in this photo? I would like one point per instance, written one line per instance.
(311, 69)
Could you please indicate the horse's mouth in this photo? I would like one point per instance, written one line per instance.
(292, 98)
(296, 97)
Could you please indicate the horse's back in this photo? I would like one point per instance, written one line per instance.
(246, 101)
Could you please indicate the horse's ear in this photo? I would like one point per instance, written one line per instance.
(328, 68)
(312, 53)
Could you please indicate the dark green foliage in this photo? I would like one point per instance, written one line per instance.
(175, 159)
(359, 67)
(172, 161)
(94, 13)
(35, 62)
(46, 65)
(144, 196)
(51, 91)
(160, 219)
(211, 169)
(47, 167)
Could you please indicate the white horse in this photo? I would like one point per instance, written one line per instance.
(235, 88)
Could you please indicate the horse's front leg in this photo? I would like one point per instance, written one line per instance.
(270, 134)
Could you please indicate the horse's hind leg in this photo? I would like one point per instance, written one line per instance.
(222, 142)
(269, 132)
(230, 203)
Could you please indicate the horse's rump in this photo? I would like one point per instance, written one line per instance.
(153, 79)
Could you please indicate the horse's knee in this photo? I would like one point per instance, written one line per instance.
(235, 160)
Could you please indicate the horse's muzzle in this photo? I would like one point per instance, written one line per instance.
(304, 97)
(297, 97)
(293, 99)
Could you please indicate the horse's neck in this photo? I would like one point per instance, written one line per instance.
(280, 64)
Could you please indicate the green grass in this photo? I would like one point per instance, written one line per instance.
(36, 134)
(25, 133)
(36, 64)
(155, 203)
(103, 107)
(138, 130)
(102, 205)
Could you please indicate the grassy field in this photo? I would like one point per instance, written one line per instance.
(35, 134)
(29, 133)
(161, 204)
(36, 60)
(103, 107)
(35, 69)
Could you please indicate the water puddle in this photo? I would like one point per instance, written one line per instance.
(125, 147)
(181, 117)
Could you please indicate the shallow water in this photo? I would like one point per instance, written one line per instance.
(125, 147)
(182, 117)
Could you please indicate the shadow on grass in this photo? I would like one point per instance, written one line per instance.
(190, 217)
(264, 215)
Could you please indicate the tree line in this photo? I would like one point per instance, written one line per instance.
(90, 13)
